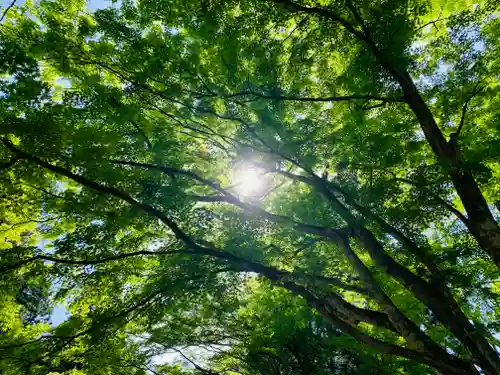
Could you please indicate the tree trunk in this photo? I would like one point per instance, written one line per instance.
(482, 225)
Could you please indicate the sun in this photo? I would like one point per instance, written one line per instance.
(248, 181)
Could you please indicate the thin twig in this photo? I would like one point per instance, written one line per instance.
(27, 222)
(433, 22)
(475, 91)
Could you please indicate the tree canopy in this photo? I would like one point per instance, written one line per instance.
(253, 186)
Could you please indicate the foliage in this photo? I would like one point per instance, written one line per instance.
(372, 240)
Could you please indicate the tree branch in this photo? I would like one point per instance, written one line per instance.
(88, 261)
(190, 244)
(7, 10)
(449, 365)
(142, 132)
(294, 7)
(196, 366)
(398, 320)
(475, 91)
(42, 190)
(316, 99)
(29, 221)
(367, 240)
(431, 23)
(353, 314)
(115, 103)
(437, 198)
(212, 251)
(173, 171)
(204, 133)
(439, 299)
(303, 227)
(434, 195)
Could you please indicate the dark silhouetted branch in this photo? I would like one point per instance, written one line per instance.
(7, 10)
(317, 99)
(475, 91)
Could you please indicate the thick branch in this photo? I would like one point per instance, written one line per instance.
(403, 325)
(448, 366)
(353, 314)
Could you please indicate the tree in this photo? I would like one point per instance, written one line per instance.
(120, 130)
